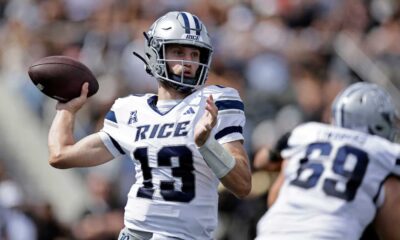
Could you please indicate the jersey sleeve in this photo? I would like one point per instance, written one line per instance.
(386, 153)
(111, 132)
(396, 170)
(300, 136)
(231, 117)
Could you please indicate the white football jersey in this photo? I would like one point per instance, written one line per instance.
(175, 194)
(333, 184)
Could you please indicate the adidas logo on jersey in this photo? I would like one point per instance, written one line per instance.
(189, 111)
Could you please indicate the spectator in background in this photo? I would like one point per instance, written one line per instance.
(103, 218)
(14, 223)
(48, 225)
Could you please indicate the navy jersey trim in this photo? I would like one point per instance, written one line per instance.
(375, 199)
(398, 161)
(111, 116)
(152, 101)
(228, 130)
(229, 104)
(116, 145)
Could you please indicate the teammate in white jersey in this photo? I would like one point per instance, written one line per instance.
(183, 141)
(330, 185)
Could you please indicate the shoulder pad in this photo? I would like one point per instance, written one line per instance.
(128, 99)
(222, 93)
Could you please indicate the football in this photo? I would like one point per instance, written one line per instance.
(62, 77)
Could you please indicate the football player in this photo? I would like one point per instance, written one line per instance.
(182, 140)
(330, 184)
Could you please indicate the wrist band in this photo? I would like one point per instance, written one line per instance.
(216, 157)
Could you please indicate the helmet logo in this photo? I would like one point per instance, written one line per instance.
(159, 70)
(155, 43)
(192, 37)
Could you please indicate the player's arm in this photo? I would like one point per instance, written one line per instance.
(229, 162)
(270, 159)
(276, 186)
(275, 158)
(388, 215)
(64, 152)
(238, 179)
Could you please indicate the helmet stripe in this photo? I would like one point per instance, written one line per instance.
(338, 110)
(197, 23)
(341, 116)
(186, 21)
(347, 93)
(341, 108)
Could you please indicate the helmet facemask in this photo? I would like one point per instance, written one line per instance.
(166, 74)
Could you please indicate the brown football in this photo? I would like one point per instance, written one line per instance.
(62, 77)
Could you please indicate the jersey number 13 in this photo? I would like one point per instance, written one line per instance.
(164, 159)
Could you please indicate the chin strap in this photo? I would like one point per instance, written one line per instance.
(177, 87)
(140, 57)
(146, 64)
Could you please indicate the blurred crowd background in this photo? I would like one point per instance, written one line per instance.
(287, 58)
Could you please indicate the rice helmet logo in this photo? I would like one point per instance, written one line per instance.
(192, 37)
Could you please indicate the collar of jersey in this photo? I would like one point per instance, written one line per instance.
(152, 101)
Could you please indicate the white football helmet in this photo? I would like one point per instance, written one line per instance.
(181, 28)
(368, 108)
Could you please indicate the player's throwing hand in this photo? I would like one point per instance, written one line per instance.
(206, 123)
(75, 104)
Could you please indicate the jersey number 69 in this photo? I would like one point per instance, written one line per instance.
(353, 172)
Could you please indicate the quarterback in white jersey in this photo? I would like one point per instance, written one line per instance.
(332, 176)
(174, 184)
(183, 141)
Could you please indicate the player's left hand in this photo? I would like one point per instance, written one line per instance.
(206, 123)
